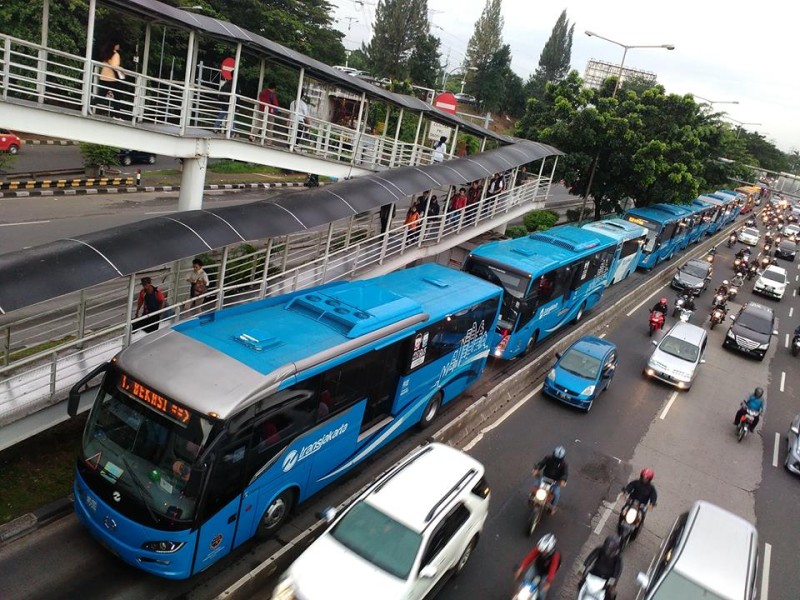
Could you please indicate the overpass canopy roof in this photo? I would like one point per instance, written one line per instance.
(153, 10)
(68, 265)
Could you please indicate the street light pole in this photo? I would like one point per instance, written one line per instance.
(625, 48)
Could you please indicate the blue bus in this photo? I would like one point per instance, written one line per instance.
(740, 200)
(664, 236)
(705, 215)
(726, 206)
(550, 278)
(630, 241)
(686, 233)
(207, 433)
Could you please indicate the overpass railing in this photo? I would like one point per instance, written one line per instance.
(46, 351)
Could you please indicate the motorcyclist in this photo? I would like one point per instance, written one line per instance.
(738, 280)
(606, 562)
(723, 288)
(742, 253)
(642, 489)
(544, 559)
(553, 466)
(661, 306)
(688, 301)
(755, 403)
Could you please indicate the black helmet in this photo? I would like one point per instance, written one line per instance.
(611, 545)
(759, 392)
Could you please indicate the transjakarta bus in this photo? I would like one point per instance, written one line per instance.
(664, 235)
(726, 205)
(550, 278)
(207, 433)
(685, 233)
(705, 214)
(630, 240)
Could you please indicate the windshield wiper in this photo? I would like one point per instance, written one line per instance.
(142, 488)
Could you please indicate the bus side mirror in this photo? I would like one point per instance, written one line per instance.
(73, 402)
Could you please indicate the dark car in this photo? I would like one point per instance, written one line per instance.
(786, 249)
(128, 157)
(752, 330)
(692, 277)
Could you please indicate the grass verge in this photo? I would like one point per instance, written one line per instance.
(39, 470)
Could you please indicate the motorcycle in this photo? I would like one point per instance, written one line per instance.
(731, 240)
(630, 520)
(593, 587)
(752, 271)
(796, 344)
(745, 421)
(527, 588)
(680, 301)
(539, 501)
(656, 321)
(711, 252)
(717, 316)
(732, 292)
(765, 262)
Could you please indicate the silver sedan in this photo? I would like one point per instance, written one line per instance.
(793, 446)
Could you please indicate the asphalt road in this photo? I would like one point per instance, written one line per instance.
(36, 157)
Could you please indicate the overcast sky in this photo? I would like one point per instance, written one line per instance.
(724, 51)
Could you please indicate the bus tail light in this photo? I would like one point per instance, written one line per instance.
(501, 347)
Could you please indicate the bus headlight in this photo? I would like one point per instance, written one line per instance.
(163, 547)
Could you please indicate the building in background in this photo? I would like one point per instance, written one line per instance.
(597, 71)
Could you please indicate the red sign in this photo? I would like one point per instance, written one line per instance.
(227, 66)
(446, 102)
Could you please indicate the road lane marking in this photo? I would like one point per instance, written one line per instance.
(638, 306)
(783, 379)
(791, 310)
(669, 404)
(471, 444)
(765, 572)
(787, 337)
(606, 513)
(776, 449)
(23, 223)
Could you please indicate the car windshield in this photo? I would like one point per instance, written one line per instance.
(379, 539)
(680, 348)
(750, 231)
(580, 364)
(676, 587)
(754, 322)
(788, 245)
(774, 276)
(694, 270)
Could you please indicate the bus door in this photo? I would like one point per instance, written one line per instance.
(553, 293)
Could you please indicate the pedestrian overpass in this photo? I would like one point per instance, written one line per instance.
(50, 92)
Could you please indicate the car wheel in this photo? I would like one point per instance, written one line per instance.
(151, 160)
(431, 410)
(13, 149)
(464, 559)
(275, 515)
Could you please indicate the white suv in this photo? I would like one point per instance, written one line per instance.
(772, 282)
(418, 523)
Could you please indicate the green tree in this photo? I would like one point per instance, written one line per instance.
(486, 41)
(652, 147)
(554, 61)
(399, 25)
(490, 80)
(424, 64)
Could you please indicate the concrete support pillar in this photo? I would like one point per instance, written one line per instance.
(42, 65)
(193, 180)
(88, 75)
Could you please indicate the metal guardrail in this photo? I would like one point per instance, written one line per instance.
(51, 78)
(76, 332)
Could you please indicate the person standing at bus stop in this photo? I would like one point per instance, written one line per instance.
(150, 300)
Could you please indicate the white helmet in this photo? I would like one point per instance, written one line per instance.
(739, 275)
(547, 544)
(724, 282)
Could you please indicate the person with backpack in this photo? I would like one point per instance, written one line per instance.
(150, 300)
(439, 148)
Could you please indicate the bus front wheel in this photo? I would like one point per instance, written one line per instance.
(431, 410)
(275, 515)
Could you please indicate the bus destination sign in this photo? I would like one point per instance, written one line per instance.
(154, 399)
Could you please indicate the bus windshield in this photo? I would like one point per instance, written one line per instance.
(514, 284)
(653, 229)
(147, 450)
